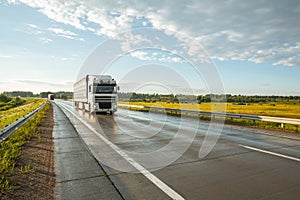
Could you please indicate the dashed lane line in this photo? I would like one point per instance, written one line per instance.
(270, 152)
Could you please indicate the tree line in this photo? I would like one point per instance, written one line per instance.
(59, 95)
(171, 98)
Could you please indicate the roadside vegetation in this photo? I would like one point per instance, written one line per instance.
(289, 110)
(7, 103)
(171, 98)
(275, 109)
(10, 149)
(12, 109)
(275, 106)
(57, 95)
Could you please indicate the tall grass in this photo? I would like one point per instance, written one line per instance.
(10, 149)
(9, 116)
(275, 109)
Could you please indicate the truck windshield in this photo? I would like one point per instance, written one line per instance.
(104, 89)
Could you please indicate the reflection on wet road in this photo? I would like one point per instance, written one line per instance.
(169, 147)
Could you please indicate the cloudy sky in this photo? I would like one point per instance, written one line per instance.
(252, 47)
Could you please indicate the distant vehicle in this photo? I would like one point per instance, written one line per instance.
(96, 93)
(50, 96)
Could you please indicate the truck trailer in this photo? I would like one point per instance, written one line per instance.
(50, 96)
(96, 93)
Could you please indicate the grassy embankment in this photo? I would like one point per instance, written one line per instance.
(274, 109)
(17, 110)
(10, 149)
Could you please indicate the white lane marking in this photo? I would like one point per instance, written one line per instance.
(271, 153)
(156, 181)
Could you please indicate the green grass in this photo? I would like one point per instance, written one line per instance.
(9, 116)
(10, 149)
(7, 103)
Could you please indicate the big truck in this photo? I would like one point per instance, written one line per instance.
(50, 96)
(96, 94)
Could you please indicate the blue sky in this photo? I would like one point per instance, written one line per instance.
(254, 46)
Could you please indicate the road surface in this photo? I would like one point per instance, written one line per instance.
(243, 164)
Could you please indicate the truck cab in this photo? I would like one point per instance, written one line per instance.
(96, 93)
(103, 94)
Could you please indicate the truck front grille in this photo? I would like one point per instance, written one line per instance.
(101, 98)
(104, 105)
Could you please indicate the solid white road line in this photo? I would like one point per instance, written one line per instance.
(271, 153)
(156, 181)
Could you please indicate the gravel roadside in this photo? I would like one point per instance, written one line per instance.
(34, 175)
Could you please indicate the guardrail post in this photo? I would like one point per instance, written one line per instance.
(282, 125)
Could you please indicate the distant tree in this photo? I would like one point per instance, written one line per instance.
(45, 94)
(63, 95)
(17, 101)
(19, 94)
(242, 99)
(4, 98)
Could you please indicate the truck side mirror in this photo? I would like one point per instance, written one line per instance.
(118, 88)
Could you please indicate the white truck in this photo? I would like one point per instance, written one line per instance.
(50, 96)
(96, 93)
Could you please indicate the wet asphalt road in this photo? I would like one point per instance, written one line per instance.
(243, 163)
(78, 174)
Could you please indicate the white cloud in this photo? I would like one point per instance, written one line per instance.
(6, 56)
(157, 56)
(291, 61)
(67, 58)
(61, 31)
(31, 29)
(64, 33)
(45, 40)
(32, 26)
(110, 23)
(257, 31)
(36, 86)
(140, 55)
(66, 12)
(144, 23)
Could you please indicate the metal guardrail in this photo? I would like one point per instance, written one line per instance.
(10, 129)
(280, 120)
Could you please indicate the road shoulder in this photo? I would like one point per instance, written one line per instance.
(78, 174)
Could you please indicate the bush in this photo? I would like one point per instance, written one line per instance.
(4, 98)
(5, 104)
